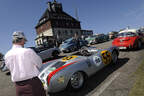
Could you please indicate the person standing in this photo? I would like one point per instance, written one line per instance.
(24, 65)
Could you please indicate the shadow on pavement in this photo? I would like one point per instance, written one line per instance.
(94, 80)
(133, 50)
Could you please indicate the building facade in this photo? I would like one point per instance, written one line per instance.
(56, 25)
(87, 33)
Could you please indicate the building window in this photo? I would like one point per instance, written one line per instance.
(71, 32)
(58, 33)
(47, 25)
(67, 24)
(57, 23)
(37, 43)
(77, 33)
(72, 24)
(40, 42)
(41, 27)
(66, 33)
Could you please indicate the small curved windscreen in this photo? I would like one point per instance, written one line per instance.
(68, 40)
(126, 34)
(53, 65)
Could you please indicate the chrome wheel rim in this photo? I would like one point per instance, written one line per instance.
(55, 54)
(77, 80)
(72, 49)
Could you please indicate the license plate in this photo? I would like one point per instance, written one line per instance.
(122, 47)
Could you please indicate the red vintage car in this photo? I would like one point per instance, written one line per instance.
(129, 39)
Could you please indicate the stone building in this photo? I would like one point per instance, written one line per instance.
(56, 25)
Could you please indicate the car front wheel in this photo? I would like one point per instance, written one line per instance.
(77, 81)
(114, 57)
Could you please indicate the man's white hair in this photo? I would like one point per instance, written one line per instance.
(17, 36)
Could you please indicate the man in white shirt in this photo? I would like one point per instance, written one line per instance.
(24, 65)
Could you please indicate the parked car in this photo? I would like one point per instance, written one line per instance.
(112, 34)
(128, 39)
(3, 67)
(72, 71)
(91, 39)
(99, 38)
(71, 45)
(102, 38)
(47, 53)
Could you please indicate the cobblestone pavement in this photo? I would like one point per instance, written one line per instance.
(113, 80)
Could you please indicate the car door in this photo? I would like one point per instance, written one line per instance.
(45, 54)
(100, 60)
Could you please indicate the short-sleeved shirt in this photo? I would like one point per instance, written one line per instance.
(23, 63)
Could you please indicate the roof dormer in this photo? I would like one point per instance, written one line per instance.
(55, 6)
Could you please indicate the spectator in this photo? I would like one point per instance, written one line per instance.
(24, 65)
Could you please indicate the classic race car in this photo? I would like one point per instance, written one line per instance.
(129, 39)
(72, 71)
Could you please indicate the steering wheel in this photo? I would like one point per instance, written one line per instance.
(85, 53)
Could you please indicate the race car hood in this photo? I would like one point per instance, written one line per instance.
(49, 69)
(53, 65)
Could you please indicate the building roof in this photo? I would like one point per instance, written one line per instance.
(52, 12)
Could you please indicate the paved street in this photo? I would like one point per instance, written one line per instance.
(113, 80)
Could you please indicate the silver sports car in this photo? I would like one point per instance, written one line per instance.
(72, 71)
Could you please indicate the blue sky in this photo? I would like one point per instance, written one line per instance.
(101, 16)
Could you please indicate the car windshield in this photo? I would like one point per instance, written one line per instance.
(126, 34)
(54, 66)
(68, 40)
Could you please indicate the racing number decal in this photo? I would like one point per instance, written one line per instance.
(106, 56)
(97, 60)
(68, 58)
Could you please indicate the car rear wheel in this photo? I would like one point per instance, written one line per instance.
(77, 81)
(73, 49)
(114, 57)
(139, 45)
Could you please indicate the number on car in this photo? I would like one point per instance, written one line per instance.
(106, 57)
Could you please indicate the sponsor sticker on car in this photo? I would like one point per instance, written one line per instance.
(61, 79)
(69, 58)
(97, 60)
(106, 56)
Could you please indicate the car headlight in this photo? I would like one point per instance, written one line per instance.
(42, 75)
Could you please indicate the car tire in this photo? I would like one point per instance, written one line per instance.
(139, 45)
(77, 81)
(73, 49)
(55, 54)
(114, 57)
